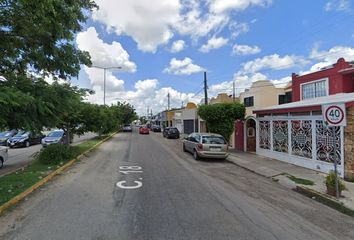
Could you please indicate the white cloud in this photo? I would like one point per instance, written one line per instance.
(224, 87)
(274, 62)
(177, 46)
(337, 5)
(153, 23)
(96, 76)
(238, 28)
(245, 49)
(213, 43)
(146, 94)
(104, 54)
(330, 57)
(147, 22)
(196, 23)
(244, 81)
(220, 6)
(182, 67)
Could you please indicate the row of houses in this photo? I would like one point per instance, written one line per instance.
(286, 123)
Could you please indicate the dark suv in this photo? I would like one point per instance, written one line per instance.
(170, 132)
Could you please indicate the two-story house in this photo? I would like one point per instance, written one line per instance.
(296, 132)
(261, 94)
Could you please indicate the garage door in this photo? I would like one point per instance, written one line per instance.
(188, 126)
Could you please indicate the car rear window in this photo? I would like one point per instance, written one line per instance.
(173, 130)
(213, 140)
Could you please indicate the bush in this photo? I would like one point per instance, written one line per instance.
(54, 154)
(220, 117)
(331, 182)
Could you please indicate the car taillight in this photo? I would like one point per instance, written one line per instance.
(200, 146)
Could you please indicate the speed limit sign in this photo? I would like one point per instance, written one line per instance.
(334, 114)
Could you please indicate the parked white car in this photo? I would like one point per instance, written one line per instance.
(3, 155)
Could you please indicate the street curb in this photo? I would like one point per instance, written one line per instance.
(31, 189)
(324, 199)
(319, 197)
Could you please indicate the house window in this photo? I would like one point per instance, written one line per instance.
(285, 98)
(314, 89)
(248, 102)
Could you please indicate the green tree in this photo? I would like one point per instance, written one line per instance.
(38, 36)
(124, 112)
(220, 117)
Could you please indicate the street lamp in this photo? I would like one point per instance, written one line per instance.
(104, 79)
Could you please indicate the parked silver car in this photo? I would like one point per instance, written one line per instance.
(3, 155)
(54, 137)
(206, 145)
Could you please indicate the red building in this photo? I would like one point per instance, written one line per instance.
(331, 80)
(295, 132)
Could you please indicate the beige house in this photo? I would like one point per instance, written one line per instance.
(261, 94)
(222, 98)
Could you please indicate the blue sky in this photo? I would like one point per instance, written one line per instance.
(165, 46)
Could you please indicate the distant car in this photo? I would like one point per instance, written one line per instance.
(54, 137)
(4, 136)
(156, 128)
(206, 145)
(144, 130)
(127, 128)
(170, 132)
(3, 155)
(25, 139)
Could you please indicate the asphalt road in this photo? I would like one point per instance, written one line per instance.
(171, 196)
(19, 157)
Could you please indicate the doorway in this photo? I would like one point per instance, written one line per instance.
(251, 135)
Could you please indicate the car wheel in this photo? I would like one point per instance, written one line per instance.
(184, 148)
(195, 155)
(1, 162)
(27, 144)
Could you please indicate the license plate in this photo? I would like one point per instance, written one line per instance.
(12, 144)
(215, 149)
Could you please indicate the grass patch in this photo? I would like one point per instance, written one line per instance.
(19, 181)
(300, 180)
(326, 200)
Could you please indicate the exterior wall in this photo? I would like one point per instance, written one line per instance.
(337, 82)
(177, 120)
(189, 114)
(348, 84)
(265, 94)
(302, 141)
(170, 115)
(222, 98)
(349, 145)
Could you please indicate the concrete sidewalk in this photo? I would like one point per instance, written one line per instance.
(280, 172)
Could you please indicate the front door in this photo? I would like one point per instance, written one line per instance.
(239, 136)
(251, 135)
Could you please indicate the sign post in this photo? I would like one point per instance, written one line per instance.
(334, 115)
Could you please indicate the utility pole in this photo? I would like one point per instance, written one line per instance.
(205, 89)
(233, 91)
(168, 101)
